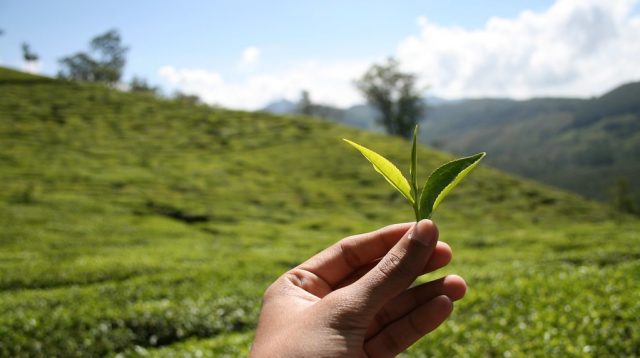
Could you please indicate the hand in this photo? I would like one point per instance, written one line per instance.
(353, 299)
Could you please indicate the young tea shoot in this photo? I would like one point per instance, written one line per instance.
(425, 200)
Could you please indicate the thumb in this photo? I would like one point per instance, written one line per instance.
(397, 269)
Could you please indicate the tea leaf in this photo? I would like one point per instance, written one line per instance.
(442, 180)
(413, 165)
(386, 169)
(414, 174)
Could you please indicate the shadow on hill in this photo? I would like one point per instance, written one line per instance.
(176, 213)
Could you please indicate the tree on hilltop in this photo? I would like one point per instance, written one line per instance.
(28, 56)
(104, 62)
(395, 95)
(140, 85)
(305, 106)
(622, 196)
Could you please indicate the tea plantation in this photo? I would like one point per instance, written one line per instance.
(137, 226)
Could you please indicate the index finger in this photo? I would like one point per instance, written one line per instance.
(341, 259)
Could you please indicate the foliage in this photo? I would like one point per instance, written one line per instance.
(139, 84)
(395, 95)
(305, 106)
(27, 54)
(188, 99)
(622, 100)
(439, 184)
(443, 180)
(622, 197)
(134, 225)
(106, 66)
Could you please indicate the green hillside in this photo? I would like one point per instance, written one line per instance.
(584, 146)
(136, 226)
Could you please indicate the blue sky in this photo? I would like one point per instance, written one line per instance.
(246, 53)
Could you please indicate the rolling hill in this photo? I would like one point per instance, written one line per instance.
(133, 225)
(583, 145)
(580, 145)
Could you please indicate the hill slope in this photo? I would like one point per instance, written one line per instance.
(581, 145)
(584, 146)
(137, 225)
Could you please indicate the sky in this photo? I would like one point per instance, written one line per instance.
(245, 54)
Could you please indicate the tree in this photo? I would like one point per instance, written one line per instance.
(187, 98)
(395, 95)
(105, 66)
(28, 56)
(304, 105)
(622, 197)
(139, 84)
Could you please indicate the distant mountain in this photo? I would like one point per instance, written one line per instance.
(360, 116)
(282, 106)
(437, 101)
(584, 145)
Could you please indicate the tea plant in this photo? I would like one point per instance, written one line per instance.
(104, 250)
(438, 185)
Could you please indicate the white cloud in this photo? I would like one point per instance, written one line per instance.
(575, 48)
(250, 58)
(191, 80)
(34, 67)
(327, 83)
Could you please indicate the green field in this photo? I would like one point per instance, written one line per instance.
(138, 226)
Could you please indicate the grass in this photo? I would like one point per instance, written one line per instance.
(137, 226)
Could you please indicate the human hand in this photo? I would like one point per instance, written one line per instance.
(353, 299)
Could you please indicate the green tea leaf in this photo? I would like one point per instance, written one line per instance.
(442, 180)
(413, 165)
(386, 169)
(414, 174)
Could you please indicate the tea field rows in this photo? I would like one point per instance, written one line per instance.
(133, 226)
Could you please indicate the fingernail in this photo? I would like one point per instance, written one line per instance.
(424, 236)
(411, 231)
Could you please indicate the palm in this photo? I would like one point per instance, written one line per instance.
(319, 296)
